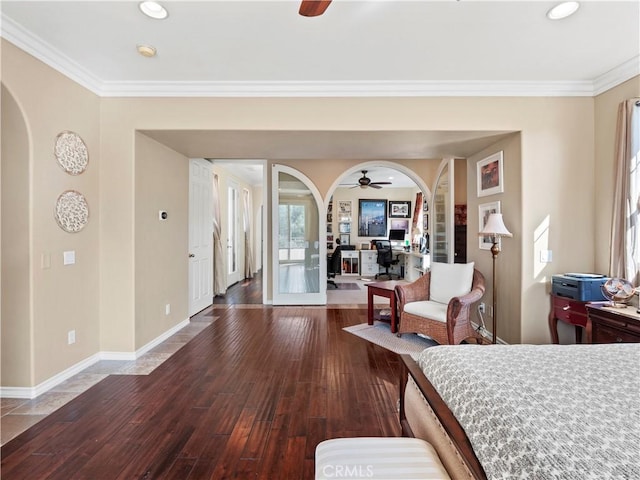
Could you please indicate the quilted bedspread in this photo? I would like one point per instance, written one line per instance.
(544, 411)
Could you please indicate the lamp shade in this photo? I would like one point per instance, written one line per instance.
(495, 227)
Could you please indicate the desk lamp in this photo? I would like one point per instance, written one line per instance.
(495, 228)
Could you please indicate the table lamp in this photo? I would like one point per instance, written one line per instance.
(495, 228)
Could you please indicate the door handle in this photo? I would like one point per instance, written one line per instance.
(191, 255)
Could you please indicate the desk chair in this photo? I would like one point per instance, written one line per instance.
(333, 266)
(385, 257)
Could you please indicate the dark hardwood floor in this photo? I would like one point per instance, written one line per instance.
(249, 397)
(245, 292)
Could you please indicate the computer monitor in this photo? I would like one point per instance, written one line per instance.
(396, 235)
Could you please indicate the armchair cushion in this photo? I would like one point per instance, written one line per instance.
(434, 310)
(450, 280)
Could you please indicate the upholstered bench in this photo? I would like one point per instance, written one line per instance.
(378, 457)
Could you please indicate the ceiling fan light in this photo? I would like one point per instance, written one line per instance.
(563, 10)
(153, 10)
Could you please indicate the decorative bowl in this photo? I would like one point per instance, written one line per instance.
(618, 291)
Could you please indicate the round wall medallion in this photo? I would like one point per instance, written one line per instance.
(72, 211)
(71, 153)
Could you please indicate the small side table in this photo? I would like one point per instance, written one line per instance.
(573, 312)
(387, 290)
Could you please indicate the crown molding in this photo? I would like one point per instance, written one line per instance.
(617, 75)
(347, 89)
(35, 46)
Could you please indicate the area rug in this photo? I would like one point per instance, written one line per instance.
(380, 334)
(347, 286)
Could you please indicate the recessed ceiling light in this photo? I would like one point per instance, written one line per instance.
(563, 10)
(153, 10)
(146, 50)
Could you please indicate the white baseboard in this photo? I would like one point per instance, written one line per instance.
(33, 392)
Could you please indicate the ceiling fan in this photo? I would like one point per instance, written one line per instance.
(313, 8)
(365, 182)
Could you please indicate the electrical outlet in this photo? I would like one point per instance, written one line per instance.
(481, 307)
(71, 337)
(167, 309)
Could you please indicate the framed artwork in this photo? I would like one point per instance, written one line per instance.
(344, 239)
(329, 238)
(372, 218)
(489, 175)
(345, 227)
(484, 210)
(329, 227)
(396, 224)
(344, 207)
(399, 209)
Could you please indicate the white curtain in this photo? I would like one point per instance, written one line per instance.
(625, 242)
(219, 276)
(248, 250)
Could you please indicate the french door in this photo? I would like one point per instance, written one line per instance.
(442, 218)
(299, 275)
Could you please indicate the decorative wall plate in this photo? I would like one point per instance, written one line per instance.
(72, 211)
(71, 153)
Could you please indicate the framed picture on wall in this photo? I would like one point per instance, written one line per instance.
(396, 224)
(484, 210)
(372, 218)
(399, 209)
(489, 175)
(344, 239)
(345, 227)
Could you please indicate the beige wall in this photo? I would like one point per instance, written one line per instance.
(97, 296)
(16, 328)
(606, 111)
(62, 298)
(508, 264)
(161, 247)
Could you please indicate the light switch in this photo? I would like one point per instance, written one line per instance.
(546, 256)
(69, 258)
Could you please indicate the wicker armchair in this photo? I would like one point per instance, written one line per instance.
(446, 323)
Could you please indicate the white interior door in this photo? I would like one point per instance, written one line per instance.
(299, 277)
(235, 242)
(200, 235)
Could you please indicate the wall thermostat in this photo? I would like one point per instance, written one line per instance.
(162, 215)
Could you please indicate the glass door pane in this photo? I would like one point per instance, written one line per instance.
(297, 269)
(442, 215)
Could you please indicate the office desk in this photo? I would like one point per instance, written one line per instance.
(415, 264)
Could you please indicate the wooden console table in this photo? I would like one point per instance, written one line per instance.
(613, 325)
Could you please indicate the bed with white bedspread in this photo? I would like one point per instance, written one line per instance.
(542, 411)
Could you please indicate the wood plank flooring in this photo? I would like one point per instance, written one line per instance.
(249, 397)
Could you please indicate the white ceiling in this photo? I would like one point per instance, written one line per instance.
(357, 48)
(388, 47)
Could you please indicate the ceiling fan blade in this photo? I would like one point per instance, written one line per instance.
(313, 8)
(374, 185)
(380, 183)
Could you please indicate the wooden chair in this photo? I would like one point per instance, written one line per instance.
(441, 310)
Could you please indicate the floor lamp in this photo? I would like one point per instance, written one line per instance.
(495, 228)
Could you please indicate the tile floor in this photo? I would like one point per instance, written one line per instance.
(18, 414)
